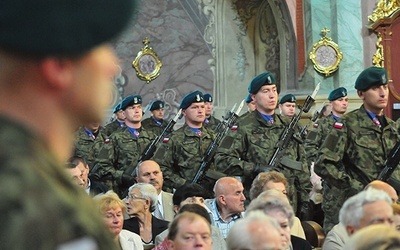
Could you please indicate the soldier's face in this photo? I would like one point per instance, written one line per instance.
(266, 99)
(158, 114)
(134, 113)
(195, 114)
(287, 109)
(375, 99)
(89, 95)
(150, 172)
(120, 115)
(209, 108)
(339, 106)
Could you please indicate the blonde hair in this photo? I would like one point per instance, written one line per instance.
(109, 200)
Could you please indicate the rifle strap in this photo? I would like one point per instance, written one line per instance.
(292, 164)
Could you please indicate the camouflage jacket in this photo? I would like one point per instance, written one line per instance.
(88, 147)
(355, 150)
(120, 153)
(211, 123)
(112, 126)
(151, 125)
(40, 207)
(181, 153)
(253, 142)
(316, 137)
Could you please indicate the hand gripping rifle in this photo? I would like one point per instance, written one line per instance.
(390, 166)
(151, 148)
(288, 133)
(226, 125)
(314, 118)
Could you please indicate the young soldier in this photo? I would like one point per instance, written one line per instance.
(156, 122)
(210, 121)
(357, 146)
(287, 105)
(119, 121)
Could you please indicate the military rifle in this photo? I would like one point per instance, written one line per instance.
(151, 148)
(390, 166)
(227, 124)
(289, 133)
(314, 118)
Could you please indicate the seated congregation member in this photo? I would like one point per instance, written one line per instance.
(189, 231)
(274, 184)
(186, 197)
(374, 237)
(156, 122)
(75, 173)
(371, 206)
(228, 204)
(284, 214)
(396, 216)
(255, 231)
(112, 209)
(149, 172)
(141, 202)
(91, 187)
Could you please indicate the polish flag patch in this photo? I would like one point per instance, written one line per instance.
(234, 127)
(315, 125)
(338, 125)
(107, 140)
(165, 140)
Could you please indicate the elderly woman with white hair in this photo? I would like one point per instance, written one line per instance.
(283, 213)
(141, 202)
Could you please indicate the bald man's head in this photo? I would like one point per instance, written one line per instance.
(224, 184)
(149, 172)
(380, 185)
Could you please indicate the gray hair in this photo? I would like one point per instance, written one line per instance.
(147, 191)
(352, 210)
(240, 236)
(269, 204)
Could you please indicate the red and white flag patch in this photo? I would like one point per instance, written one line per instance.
(234, 127)
(338, 125)
(165, 140)
(315, 125)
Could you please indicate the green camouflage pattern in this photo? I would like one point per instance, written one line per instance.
(354, 153)
(316, 137)
(40, 207)
(150, 125)
(253, 143)
(111, 127)
(212, 123)
(88, 147)
(120, 153)
(180, 155)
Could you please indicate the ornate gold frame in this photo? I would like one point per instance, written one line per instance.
(147, 64)
(326, 55)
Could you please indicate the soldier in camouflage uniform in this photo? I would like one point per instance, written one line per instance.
(287, 106)
(247, 149)
(88, 141)
(156, 122)
(180, 154)
(338, 101)
(50, 84)
(210, 121)
(121, 151)
(119, 121)
(354, 152)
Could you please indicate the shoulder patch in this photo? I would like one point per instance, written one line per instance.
(315, 125)
(165, 140)
(107, 140)
(234, 127)
(338, 125)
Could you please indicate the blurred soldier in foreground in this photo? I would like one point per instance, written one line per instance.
(55, 75)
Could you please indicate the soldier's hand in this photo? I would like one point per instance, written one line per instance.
(127, 180)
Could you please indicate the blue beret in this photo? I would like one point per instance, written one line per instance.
(208, 98)
(130, 101)
(371, 76)
(61, 27)
(288, 98)
(265, 78)
(157, 105)
(248, 99)
(117, 108)
(337, 93)
(190, 98)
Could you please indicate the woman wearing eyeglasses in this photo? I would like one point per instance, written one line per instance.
(141, 202)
